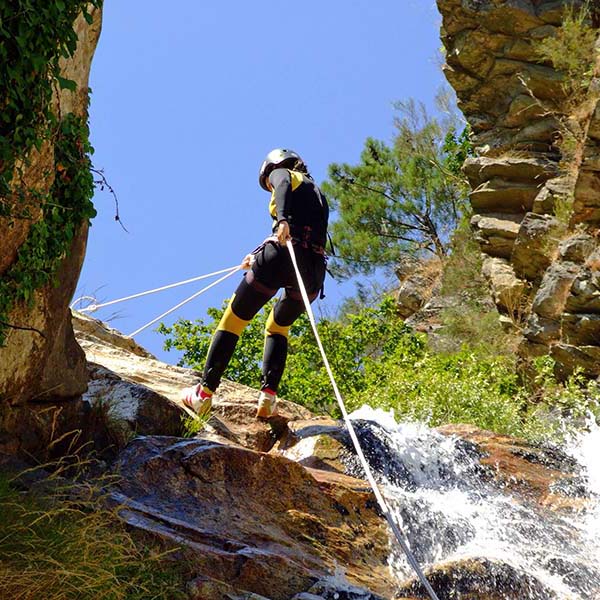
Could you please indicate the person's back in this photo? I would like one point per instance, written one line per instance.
(308, 212)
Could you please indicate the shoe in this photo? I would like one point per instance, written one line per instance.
(198, 399)
(267, 404)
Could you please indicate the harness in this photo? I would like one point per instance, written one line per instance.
(305, 241)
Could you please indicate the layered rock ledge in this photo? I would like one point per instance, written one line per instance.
(543, 272)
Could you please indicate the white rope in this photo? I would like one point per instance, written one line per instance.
(81, 298)
(380, 499)
(229, 274)
(94, 307)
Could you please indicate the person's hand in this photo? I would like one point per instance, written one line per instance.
(247, 262)
(283, 232)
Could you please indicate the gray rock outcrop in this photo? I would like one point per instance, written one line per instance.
(540, 263)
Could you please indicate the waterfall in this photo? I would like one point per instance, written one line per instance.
(450, 509)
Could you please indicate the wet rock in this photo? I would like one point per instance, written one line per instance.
(575, 574)
(527, 471)
(328, 590)
(320, 443)
(262, 522)
(480, 579)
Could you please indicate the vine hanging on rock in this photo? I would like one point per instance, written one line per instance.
(34, 36)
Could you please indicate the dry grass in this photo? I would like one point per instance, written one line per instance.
(63, 542)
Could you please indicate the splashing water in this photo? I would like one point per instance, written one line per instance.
(449, 510)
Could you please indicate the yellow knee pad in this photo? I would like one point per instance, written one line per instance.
(273, 328)
(231, 322)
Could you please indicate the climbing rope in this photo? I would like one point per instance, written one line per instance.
(93, 307)
(380, 499)
(168, 312)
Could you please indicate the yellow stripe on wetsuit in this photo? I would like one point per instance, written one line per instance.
(273, 328)
(231, 322)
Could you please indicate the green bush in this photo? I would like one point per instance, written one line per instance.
(460, 387)
(572, 51)
(379, 361)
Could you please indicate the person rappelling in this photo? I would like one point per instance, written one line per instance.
(300, 213)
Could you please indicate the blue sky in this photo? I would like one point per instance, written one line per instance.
(187, 100)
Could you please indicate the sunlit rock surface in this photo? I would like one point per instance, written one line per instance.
(280, 509)
(50, 367)
(517, 106)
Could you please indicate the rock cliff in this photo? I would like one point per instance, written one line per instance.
(33, 366)
(537, 153)
(42, 367)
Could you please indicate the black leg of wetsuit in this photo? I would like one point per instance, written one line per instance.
(244, 304)
(287, 309)
(274, 358)
(219, 354)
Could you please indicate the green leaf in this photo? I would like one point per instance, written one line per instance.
(66, 84)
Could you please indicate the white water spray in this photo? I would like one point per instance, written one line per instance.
(450, 510)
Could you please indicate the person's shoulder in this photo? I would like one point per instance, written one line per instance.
(280, 175)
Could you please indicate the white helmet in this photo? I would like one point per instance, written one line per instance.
(280, 157)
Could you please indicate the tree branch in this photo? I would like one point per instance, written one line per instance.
(103, 183)
(352, 181)
(21, 328)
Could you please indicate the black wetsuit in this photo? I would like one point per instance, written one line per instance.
(298, 200)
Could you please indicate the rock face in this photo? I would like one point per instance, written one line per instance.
(419, 281)
(261, 523)
(278, 510)
(53, 366)
(536, 263)
(249, 518)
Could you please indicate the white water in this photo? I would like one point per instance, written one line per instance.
(449, 511)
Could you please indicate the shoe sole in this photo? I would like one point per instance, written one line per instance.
(263, 413)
